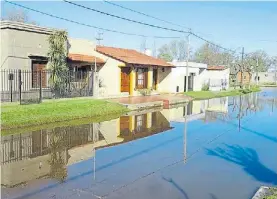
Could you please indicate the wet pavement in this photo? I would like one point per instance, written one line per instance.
(218, 148)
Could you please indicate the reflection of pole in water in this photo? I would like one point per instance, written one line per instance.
(240, 110)
(94, 133)
(185, 135)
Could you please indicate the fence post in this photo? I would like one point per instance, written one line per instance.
(11, 84)
(19, 85)
(40, 87)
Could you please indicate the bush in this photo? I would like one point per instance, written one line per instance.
(205, 87)
(144, 92)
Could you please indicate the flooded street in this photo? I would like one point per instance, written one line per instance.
(223, 148)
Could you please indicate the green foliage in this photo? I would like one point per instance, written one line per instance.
(273, 194)
(210, 94)
(205, 87)
(57, 64)
(144, 92)
(58, 156)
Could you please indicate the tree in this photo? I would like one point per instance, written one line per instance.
(19, 15)
(212, 55)
(175, 50)
(57, 54)
(264, 61)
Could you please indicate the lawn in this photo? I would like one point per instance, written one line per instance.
(213, 94)
(273, 194)
(14, 115)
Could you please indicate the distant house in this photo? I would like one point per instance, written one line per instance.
(199, 75)
(238, 77)
(264, 77)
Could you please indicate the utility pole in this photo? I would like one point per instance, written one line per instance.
(275, 68)
(154, 49)
(185, 134)
(187, 60)
(257, 65)
(241, 68)
(99, 38)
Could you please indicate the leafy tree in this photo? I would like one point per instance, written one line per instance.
(57, 54)
(174, 50)
(19, 15)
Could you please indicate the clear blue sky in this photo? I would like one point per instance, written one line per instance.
(230, 24)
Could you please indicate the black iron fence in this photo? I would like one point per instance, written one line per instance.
(28, 86)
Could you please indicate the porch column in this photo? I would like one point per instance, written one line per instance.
(150, 78)
(132, 80)
(149, 120)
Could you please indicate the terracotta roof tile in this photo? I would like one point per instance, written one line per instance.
(85, 58)
(131, 56)
(216, 68)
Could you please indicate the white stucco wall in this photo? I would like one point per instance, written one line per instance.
(264, 77)
(16, 46)
(165, 80)
(215, 77)
(201, 75)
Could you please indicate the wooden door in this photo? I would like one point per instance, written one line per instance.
(124, 125)
(125, 79)
(38, 67)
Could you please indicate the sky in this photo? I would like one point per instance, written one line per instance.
(252, 25)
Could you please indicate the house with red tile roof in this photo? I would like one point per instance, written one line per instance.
(120, 72)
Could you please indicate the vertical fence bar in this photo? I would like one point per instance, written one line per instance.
(19, 85)
(40, 86)
(11, 86)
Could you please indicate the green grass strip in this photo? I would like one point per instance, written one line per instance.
(14, 115)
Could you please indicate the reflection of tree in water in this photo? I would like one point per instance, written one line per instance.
(248, 159)
(58, 155)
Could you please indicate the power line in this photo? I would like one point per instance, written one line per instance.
(87, 25)
(209, 42)
(147, 24)
(126, 19)
(141, 13)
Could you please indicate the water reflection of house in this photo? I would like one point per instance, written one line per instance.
(197, 109)
(28, 156)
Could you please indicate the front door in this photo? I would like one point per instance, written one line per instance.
(190, 83)
(155, 79)
(37, 68)
(125, 79)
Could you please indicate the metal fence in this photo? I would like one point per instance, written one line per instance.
(28, 86)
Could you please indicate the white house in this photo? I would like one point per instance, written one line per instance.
(216, 77)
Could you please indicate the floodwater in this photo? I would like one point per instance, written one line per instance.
(221, 148)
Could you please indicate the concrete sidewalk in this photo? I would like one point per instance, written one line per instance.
(145, 102)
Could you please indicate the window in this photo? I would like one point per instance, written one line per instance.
(142, 78)
(244, 77)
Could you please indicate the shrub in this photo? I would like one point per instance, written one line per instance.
(205, 87)
(144, 92)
